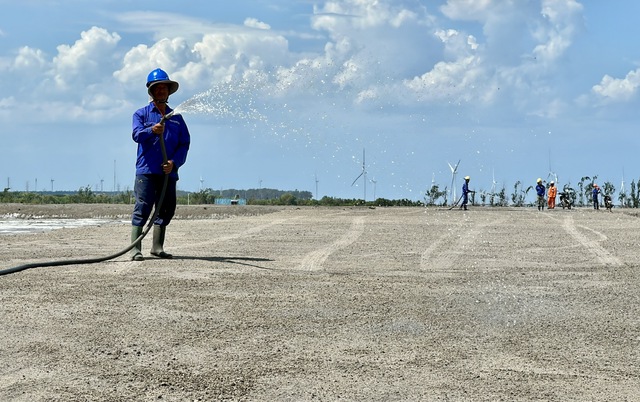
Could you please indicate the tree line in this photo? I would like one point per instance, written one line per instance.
(433, 196)
(580, 194)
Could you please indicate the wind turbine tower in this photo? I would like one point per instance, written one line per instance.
(623, 198)
(374, 181)
(454, 172)
(493, 181)
(362, 174)
(552, 174)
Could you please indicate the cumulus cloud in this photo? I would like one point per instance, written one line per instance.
(455, 81)
(618, 90)
(85, 59)
(562, 21)
(375, 51)
(29, 59)
(168, 54)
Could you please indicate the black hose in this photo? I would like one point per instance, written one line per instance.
(118, 254)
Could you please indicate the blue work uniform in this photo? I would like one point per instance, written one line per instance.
(465, 193)
(594, 194)
(540, 190)
(149, 174)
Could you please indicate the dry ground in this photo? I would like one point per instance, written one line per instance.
(290, 304)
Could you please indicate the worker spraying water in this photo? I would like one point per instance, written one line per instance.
(157, 166)
(163, 143)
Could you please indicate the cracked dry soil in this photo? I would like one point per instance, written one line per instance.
(293, 304)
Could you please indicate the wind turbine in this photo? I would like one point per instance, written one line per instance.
(317, 181)
(374, 181)
(201, 181)
(454, 172)
(362, 174)
(493, 181)
(551, 172)
(621, 192)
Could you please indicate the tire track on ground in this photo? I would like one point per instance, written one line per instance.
(246, 233)
(314, 260)
(446, 251)
(603, 256)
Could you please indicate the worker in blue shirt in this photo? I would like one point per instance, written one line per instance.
(594, 194)
(151, 167)
(540, 190)
(465, 193)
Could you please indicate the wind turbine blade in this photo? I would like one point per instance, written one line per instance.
(359, 176)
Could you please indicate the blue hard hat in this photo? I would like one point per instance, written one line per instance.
(159, 76)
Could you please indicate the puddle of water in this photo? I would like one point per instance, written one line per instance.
(13, 226)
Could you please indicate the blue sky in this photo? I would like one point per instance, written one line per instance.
(288, 94)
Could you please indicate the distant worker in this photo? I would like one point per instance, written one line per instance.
(540, 190)
(594, 193)
(551, 195)
(465, 193)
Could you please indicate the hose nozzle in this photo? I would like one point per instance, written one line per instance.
(167, 116)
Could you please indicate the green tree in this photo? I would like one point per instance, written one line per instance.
(634, 195)
(585, 185)
(433, 195)
(502, 197)
(608, 189)
(84, 196)
(288, 199)
(204, 196)
(519, 194)
(571, 192)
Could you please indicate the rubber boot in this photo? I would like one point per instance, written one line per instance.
(158, 242)
(136, 251)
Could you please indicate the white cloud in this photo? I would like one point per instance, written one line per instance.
(163, 25)
(618, 90)
(458, 81)
(85, 59)
(29, 59)
(168, 54)
(562, 21)
(377, 51)
(215, 57)
(472, 10)
(254, 23)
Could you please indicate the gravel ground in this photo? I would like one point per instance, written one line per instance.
(291, 304)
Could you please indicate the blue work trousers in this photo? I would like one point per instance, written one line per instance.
(147, 189)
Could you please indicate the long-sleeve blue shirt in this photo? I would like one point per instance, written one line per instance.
(540, 190)
(176, 139)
